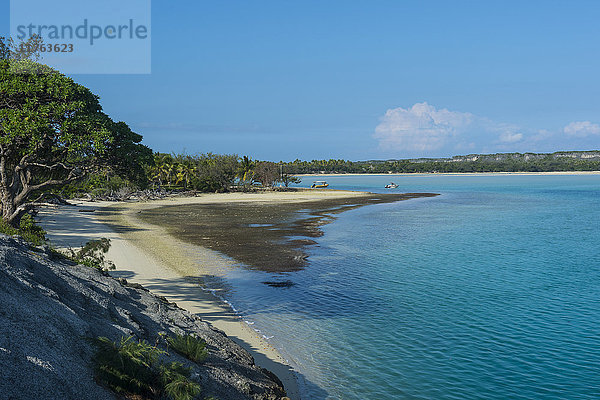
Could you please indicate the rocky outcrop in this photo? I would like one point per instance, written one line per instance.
(49, 309)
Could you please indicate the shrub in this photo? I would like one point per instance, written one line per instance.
(28, 230)
(97, 185)
(189, 346)
(126, 366)
(132, 368)
(93, 255)
(176, 383)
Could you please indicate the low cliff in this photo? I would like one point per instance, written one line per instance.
(49, 309)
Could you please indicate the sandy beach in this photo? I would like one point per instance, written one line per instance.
(147, 254)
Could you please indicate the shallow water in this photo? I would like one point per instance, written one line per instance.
(489, 291)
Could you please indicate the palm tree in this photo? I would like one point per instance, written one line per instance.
(163, 169)
(246, 169)
(183, 174)
(168, 169)
(155, 171)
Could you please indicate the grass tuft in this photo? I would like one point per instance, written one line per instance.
(132, 368)
(126, 366)
(175, 379)
(189, 346)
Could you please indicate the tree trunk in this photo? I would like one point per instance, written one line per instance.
(9, 208)
(9, 214)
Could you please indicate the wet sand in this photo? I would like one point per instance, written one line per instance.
(270, 236)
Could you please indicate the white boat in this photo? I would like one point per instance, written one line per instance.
(319, 184)
(391, 185)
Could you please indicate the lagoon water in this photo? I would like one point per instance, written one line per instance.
(489, 291)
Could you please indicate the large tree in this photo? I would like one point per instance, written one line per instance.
(125, 156)
(267, 173)
(216, 172)
(289, 178)
(23, 50)
(52, 132)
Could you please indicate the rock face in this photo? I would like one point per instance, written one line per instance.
(49, 309)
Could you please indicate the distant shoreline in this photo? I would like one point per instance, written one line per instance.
(458, 173)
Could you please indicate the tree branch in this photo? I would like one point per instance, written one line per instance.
(20, 198)
(53, 182)
(39, 165)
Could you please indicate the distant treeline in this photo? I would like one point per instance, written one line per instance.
(181, 172)
(225, 172)
(502, 162)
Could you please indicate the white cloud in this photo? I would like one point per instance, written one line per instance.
(421, 127)
(510, 137)
(582, 129)
(422, 130)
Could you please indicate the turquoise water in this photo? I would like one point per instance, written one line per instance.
(489, 291)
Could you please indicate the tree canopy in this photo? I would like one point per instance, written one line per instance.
(266, 172)
(125, 156)
(52, 132)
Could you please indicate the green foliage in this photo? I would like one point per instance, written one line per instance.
(4, 48)
(204, 172)
(23, 50)
(54, 133)
(93, 255)
(126, 366)
(503, 162)
(133, 368)
(126, 157)
(176, 382)
(287, 179)
(97, 185)
(28, 230)
(218, 169)
(246, 170)
(266, 172)
(207, 184)
(189, 346)
(51, 117)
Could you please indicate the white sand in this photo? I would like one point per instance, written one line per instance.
(147, 255)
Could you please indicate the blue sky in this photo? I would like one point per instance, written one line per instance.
(281, 80)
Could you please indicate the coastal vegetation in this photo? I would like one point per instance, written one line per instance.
(189, 346)
(55, 139)
(27, 229)
(212, 172)
(203, 172)
(133, 367)
(53, 132)
(503, 162)
(93, 255)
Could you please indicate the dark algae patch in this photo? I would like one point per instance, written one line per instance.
(269, 236)
(279, 284)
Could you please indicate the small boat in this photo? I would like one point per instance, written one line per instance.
(392, 185)
(319, 184)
